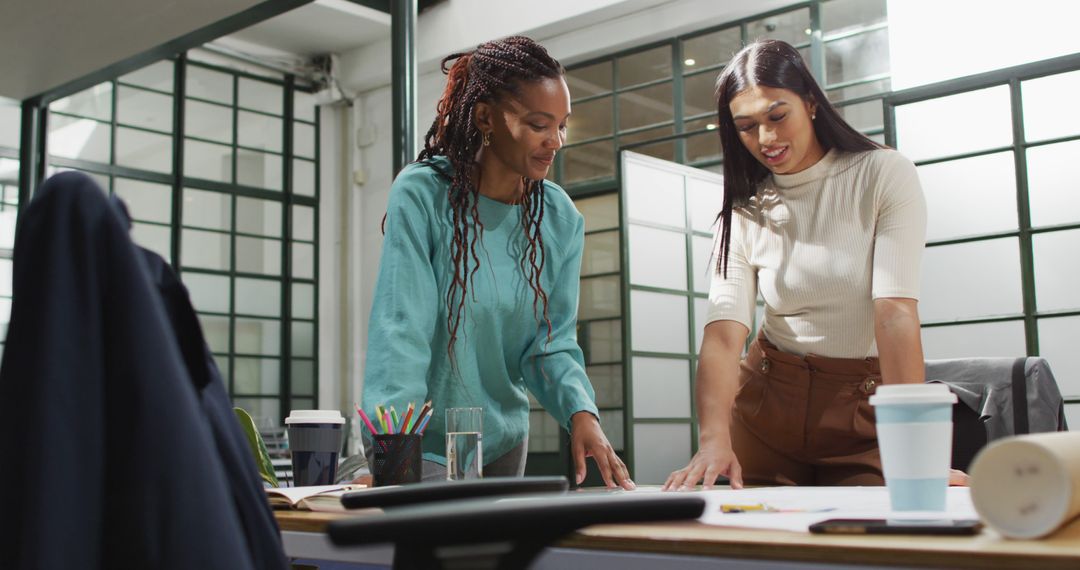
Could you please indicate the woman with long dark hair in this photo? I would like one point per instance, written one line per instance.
(828, 227)
(476, 298)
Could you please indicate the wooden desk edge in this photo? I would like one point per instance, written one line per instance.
(305, 521)
(987, 550)
(695, 539)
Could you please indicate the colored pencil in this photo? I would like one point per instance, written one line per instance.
(423, 425)
(389, 423)
(420, 416)
(364, 417)
(380, 418)
(394, 416)
(408, 416)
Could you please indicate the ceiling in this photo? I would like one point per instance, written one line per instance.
(324, 26)
(53, 46)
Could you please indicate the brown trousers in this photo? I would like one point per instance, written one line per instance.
(805, 421)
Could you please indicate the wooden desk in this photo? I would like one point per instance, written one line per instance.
(685, 544)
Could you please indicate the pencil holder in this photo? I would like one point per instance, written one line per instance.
(397, 459)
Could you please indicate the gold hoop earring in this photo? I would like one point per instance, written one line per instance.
(487, 138)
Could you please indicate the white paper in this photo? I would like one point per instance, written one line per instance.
(796, 508)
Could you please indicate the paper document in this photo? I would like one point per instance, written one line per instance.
(796, 508)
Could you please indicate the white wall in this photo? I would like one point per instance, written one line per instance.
(973, 36)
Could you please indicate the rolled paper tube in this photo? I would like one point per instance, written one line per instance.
(1028, 486)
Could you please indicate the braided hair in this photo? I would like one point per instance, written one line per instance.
(493, 70)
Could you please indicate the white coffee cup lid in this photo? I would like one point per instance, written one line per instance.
(314, 417)
(888, 394)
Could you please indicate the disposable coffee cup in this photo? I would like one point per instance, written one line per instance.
(914, 431)
(315, 441)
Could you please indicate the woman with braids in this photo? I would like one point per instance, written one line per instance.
(476, 298)
(829, 227)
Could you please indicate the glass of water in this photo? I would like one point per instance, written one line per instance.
(464, 454)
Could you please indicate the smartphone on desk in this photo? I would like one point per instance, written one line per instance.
(883, 526)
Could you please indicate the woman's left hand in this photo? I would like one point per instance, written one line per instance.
(587, 439)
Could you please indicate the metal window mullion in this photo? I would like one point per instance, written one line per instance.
(1055, 140)
(677, 88)
(961, 156)
(285, 370)
(1027, 257)
(593, 187)
(601, 231)
(1055, 228)
(140, 129)
(817, 45)
(615, 113)
(627, 340)
(974, 320)
(856, 82)
(591, 140)
(110, 170)
(600, 275)
(315, 261)
(155, 90)
(179, 88)
(690, 316)
(1058, 313)
(232, 238)
(974, 238)
(113, 122)
(591, 98)
(666, 355)
(888, 115)
(34, 123)
(260, 150)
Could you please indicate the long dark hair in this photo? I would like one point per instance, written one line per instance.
(771, 63)
(493, 70)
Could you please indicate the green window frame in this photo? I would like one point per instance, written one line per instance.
(269, 184)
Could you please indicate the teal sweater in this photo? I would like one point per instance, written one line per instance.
(501, 348)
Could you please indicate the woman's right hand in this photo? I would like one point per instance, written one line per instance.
(708, 463)
(716, 386)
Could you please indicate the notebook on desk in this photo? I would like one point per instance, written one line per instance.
(317, 498)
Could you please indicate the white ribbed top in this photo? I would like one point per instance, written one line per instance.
(820, 245)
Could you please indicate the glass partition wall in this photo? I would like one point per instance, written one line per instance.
(218, 168)
(1000, 276)
(10, 127)
(1004, 223)
(658, 101)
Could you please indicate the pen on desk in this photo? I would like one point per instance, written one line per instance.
(758, 507)
(364, 417)
(764, 508)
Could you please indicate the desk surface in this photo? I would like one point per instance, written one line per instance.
(987, 550)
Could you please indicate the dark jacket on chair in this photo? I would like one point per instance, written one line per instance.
(260, 528)
(998, 397)
(109, 460)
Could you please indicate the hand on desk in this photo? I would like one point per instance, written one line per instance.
(707, 464)
(958, 478)
(588, 440)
